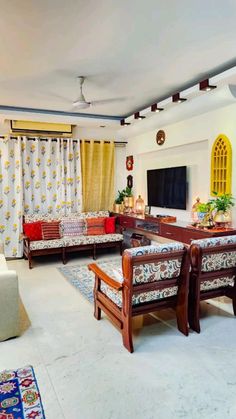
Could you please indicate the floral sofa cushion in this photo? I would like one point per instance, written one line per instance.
(80, 240)
(223, 260)
(156, 271)
(217, 283)
(46, 244)
(144, 297)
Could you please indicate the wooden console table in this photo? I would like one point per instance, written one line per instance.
(179, 230)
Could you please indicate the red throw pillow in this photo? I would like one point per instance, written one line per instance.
(33, 230)
(51, 230)
(95, 226)
(110, 225)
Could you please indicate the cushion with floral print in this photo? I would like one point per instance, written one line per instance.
(33, 230)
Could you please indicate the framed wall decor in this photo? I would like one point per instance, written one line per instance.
(129, 162)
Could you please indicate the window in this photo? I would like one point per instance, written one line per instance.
(221, 166)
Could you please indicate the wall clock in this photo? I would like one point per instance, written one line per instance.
(160, 137)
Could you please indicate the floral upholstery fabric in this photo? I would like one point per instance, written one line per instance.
(217, 283)
(159, 248)
(215, 241)
(144, 297)
(214, 262)
(156, 271)
(46, 244)
(46, 216)
(82, 240)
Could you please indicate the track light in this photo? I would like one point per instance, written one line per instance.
(204, 85)
(177, 99)
(123, 123)
(138, 116)
(155, 108)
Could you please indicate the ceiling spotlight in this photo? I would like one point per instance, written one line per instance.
(155, 108)
(123, 123)
(177, 99)
(138, 116)
(204, 85)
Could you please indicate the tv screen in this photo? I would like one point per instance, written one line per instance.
(167, 188)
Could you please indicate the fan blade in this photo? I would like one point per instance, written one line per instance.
(108, 101)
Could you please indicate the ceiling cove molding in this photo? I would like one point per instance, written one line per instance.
(217, 98)
(5, 108)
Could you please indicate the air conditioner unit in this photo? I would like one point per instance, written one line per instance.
(40, 128)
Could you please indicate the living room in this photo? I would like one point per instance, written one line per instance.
(87, 111)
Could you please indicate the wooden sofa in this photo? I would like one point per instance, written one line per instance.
(150, 278)
(65, 244)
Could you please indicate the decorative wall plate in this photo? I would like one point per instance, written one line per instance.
(160, 137)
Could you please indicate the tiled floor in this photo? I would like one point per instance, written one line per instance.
(84, 372)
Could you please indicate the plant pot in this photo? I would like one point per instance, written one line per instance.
(201, 215)
(116, 208)
(222, 217)
(131, 201)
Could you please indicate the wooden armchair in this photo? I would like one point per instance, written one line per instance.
(151, 278)
(213, 271)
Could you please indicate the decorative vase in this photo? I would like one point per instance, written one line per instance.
(131, 201)
(116, 208)
(222, 217)
(201, 215)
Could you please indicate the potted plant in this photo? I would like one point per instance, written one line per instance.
(118, 207)
(202, 210)
(222, 205)
(128, 197)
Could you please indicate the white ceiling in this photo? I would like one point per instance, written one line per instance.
(134, 51)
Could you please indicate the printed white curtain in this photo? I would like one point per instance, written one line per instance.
(36, 176)
(11, 196)
(51, 176)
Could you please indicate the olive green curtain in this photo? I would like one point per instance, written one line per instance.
(97, 164)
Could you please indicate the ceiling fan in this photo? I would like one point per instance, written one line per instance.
(82, 103)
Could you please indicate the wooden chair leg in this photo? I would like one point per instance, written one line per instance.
(64, 255)
(97, 310)
(30, 260)
(194, 308)
(234, 304)
(121, 245)
(127, 334)
(182, 319)
(94, 252)
(97, 286)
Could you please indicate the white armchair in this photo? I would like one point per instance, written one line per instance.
(9, 301)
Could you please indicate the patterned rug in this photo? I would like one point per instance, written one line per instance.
(19, 395)
(83, 279)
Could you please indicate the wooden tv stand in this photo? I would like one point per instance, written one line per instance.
(181, 231)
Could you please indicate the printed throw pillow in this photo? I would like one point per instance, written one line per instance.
(95, 226)
(73, 227)
(51, 230)
(110, 225)
(33, 230)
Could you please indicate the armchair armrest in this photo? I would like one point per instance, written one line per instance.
(104, 277)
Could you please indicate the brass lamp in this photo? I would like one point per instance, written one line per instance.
(139, 205)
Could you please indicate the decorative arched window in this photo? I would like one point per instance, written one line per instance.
(221, 166)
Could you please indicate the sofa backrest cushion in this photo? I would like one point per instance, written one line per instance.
(50, 230)
(220, 259)
(158, 269)
(33, 230)
(110, 225)
(73, 227)
(95, 226)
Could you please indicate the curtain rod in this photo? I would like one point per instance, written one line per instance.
(74, 141)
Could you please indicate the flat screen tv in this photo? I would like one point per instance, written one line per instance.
(167, 188)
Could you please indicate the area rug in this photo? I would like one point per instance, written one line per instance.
(19, 395)
(83, 279)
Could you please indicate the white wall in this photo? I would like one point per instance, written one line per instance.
(188, 143)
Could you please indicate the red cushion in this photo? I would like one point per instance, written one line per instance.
(33, 230)
(110, 225)
(95, 226)
(51, 230)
